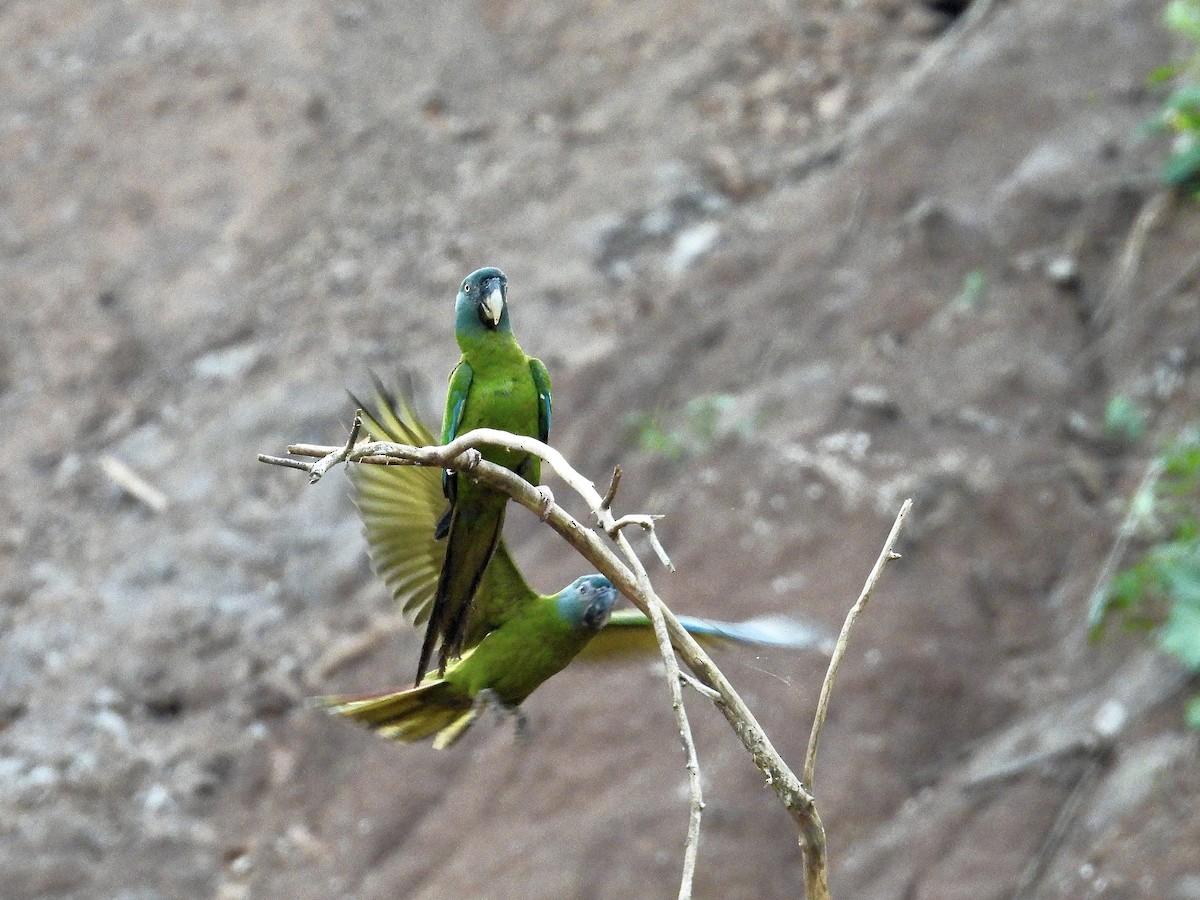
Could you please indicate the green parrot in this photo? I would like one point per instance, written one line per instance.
(516, 638)
(494, 385)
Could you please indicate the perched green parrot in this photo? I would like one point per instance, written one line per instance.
(516, 639)
(494, 385)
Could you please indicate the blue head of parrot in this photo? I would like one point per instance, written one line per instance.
(483, 296)
(587, 602)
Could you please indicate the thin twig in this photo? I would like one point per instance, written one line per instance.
(639, 519)
(463, 454)
(885, 556)
(385, 452)
(646, 523)
(332, 459)
(611, 494)
(285, 462)
(702, 689)
(133, 484)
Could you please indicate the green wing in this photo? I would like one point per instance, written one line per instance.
(628, 632)
(456, 399)
(400, 506)
(541, 380)
(456, 403)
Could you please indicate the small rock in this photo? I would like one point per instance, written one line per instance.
(727, 173)
(833, 102)
(112, 723)
(1110, 718)
(874, 399)
(229, 363)
(157, 800)
(690, 245)
(1063, 272)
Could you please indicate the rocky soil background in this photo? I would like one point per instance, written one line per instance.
(885, 243)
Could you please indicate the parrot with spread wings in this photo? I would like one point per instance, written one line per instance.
(516, 638)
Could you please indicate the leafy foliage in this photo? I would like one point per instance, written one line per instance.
(1161, 591)
(1180, 113)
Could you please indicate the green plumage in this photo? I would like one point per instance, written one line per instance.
(505, 666)
(516, 638)
(494, 385)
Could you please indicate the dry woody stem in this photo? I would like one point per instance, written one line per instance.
(886, 555)
(630, 577)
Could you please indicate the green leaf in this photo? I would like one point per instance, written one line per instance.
(1183, 16)
(1181, 463)
(1124, 419)
(1180, 634)
(1161, 74)
(1182, 580)
(1123, 595)
(1184, 99)
(1182, 170)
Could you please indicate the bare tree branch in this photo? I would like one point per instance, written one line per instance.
(885, 556)
(631, 579)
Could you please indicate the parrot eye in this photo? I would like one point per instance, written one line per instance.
(466, 287)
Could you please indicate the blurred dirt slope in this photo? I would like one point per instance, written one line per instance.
(891, 239)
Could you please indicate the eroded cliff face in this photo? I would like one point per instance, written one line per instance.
(891, 247)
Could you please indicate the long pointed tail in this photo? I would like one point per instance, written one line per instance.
(474, 533)
(411, 715)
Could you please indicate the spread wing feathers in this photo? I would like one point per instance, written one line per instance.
(434, 708)
(400, 507)
(628, 631)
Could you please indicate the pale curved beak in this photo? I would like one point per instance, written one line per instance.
(492, 305)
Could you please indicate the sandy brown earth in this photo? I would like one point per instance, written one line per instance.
(897, 240)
